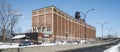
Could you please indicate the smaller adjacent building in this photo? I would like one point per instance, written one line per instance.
(32, 36)
(19, 37)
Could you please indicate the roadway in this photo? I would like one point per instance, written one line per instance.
(99, 48)
(89, 47)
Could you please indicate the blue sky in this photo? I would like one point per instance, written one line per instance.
(106, 11)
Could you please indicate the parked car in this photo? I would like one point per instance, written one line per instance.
(37, 43)
(25, 43)
(82, 41)
(69, 42)
(75, 42)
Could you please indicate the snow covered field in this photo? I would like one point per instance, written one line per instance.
(113, 49)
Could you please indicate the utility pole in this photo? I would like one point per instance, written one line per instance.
(85, 15)
(102, 25)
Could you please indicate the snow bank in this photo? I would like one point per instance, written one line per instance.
(113, 49)
(8, 45)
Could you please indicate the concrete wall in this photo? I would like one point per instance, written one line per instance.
(63, 48)
(98, 48)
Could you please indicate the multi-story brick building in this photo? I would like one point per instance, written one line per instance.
(59, 25)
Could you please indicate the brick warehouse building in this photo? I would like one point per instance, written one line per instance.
(60, 26)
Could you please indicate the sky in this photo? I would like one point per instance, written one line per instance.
(106, 11)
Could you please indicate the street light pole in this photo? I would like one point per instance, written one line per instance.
(109, 30)
(85, 15)
(102, 25)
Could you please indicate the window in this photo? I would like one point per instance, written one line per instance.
(43, 29)
(39, 29)
(33, 29)
(48, 28)
(55, 10)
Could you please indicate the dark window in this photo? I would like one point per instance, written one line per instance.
(43, 29)
(39, 28)
(48, 28)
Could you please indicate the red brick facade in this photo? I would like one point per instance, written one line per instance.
(61, 25)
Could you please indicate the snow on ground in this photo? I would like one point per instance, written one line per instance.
(113, 49)
(8, 45)
(48, 44)
(15, 45)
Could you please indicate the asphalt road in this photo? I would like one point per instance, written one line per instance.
(115, 48)
(101, 48)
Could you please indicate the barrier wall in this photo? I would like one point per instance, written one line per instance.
(64, 48)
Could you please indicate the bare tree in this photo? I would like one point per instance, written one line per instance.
(19, 30)
(8, 18)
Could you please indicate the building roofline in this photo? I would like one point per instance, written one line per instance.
(24, 33)
(44, 7)
(54, 7)
(64, 13)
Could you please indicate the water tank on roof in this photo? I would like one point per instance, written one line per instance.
(77, 15)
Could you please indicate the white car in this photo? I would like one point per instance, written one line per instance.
(82, 41)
